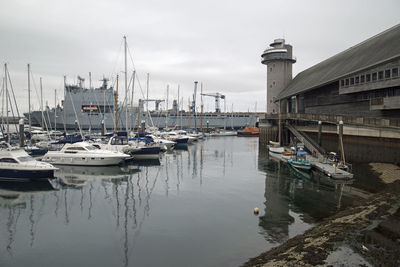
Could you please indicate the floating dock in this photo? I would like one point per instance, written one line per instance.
(325, 168)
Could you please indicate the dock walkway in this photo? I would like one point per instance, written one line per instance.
(325, 168)
(329, 169)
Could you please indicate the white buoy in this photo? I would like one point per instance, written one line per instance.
(256, 211)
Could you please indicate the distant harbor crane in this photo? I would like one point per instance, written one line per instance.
(217, 97)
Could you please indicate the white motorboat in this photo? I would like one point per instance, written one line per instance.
(164, 142)
(275, 147)
(173, 136)
(15, 163)
(119, 144)
(83, 153)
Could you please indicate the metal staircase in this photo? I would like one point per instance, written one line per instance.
(308, 142)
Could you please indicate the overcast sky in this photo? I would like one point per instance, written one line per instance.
(215, 42)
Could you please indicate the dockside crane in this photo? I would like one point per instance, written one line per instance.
(217, 97)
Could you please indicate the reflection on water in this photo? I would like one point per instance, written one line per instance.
(311, 194)
(193, 208)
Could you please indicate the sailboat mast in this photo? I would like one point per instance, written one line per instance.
(65, 98)
(55, 111)
(6, 86)
(133, 90)
(177, 114)
(41, 101)
(166, 109)
(29, 97)
(116, 109)
(126, 88)
(147, 89)
(201, 107)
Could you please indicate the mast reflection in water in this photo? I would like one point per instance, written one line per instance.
(193, 208)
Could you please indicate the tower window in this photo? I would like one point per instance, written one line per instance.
(380, 75)
(362, 78)
(270, 69)
(357, 79)
(270, 86)
(347, 81)
(351, 81)
(273, 82)
(374, 76)
(368, 77)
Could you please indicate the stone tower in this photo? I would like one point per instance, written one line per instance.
(278, 58)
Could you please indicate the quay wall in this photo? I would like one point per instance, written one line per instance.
(358, 148)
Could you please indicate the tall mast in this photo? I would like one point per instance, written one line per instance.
(177, 114)
(8, 126)
(116, 109)
(41, 101)
(147, 89)
(133, 90)
(90, 80)
(29, 97)
(126, 88)
(201, 107)
(65, 118)
(166, 108)
(55, 111)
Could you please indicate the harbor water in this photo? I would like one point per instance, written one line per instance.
(194, 208)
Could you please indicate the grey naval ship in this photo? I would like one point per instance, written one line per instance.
(88, 108)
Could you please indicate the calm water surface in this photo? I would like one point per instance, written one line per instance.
(194, 209)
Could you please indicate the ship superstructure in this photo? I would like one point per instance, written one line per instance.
(87, 108)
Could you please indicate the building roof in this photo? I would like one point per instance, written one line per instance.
(373, 51)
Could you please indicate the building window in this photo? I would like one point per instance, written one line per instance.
(380, 75)
(273, 82)
(342, 82)
(357, 79)
(397, 91)
(270, 69)
(391, 92)
(362, 78)
(395, 72)
(368, 77)
(387, 74)
(351, 81)
(374, 76)
(270, 86)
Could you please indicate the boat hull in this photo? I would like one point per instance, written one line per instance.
(84, 161)
(26, 174)
(300, 166)
(147, 153)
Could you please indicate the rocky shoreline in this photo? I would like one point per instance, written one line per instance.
(370, 229)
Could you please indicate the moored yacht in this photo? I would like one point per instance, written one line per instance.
(83, 153)
(15, 163)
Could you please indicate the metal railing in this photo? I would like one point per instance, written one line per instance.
(334, 119)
